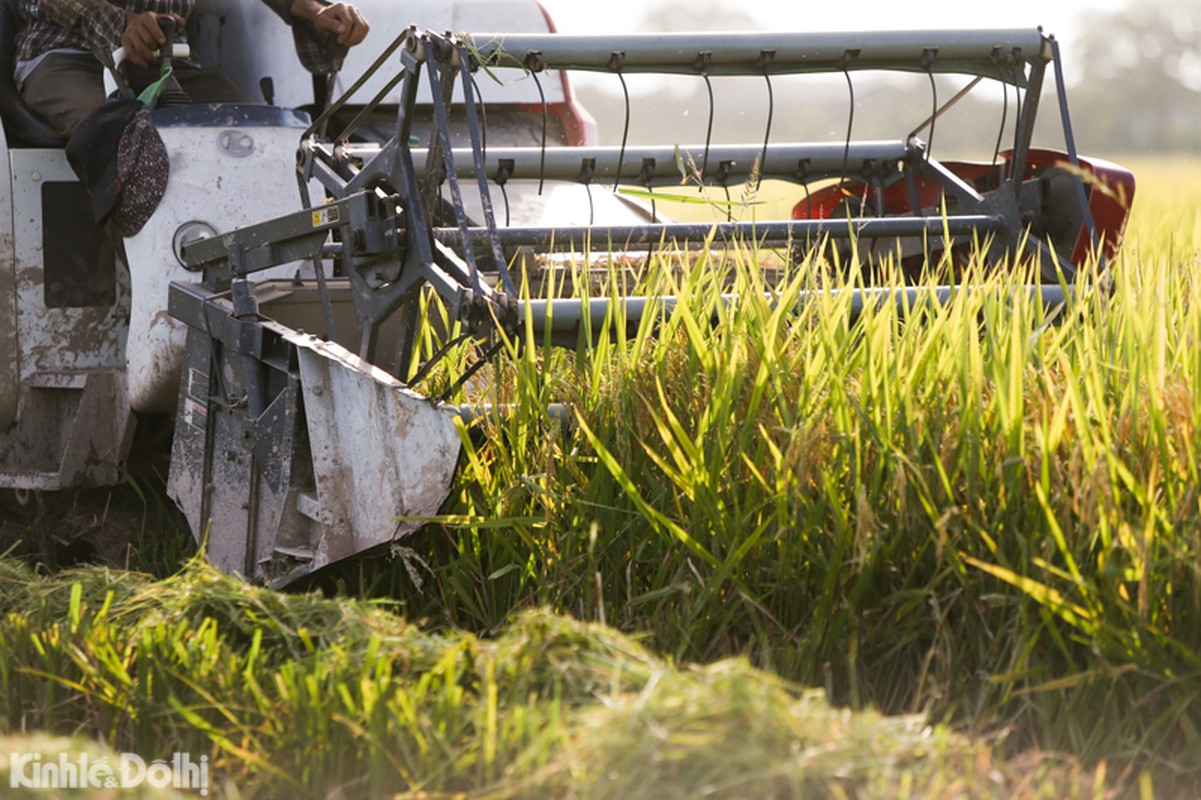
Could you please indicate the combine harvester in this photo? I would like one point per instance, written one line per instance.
(280, 327)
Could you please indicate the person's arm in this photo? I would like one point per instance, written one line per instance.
(341, 20)
(323, 31)
(98, 21)
(107, 26)
(143, 36)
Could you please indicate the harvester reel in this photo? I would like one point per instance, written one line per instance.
(405, 218)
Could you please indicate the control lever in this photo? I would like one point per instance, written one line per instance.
(166, 24)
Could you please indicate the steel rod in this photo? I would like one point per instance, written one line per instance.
(642, 235)
(563, 320)
(974, 52)
(819, 159)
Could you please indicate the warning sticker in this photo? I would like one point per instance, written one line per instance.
(195, 414)
(325, 216)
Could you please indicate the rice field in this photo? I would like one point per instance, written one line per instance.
(948, 553)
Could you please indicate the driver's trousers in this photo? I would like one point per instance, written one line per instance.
(66, 87)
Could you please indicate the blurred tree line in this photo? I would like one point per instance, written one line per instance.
(1134, 86)
(1140, 69)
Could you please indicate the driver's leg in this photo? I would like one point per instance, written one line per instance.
(64, 88)
(190, 84)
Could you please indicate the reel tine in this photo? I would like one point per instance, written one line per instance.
(702, 65)
(928, 57)
(708, 133)
(587, 172)
(846, 150)
(615, 64)
(723, 179)
(765, 57)
(479, 103)
(535, 63)
(803, 174)
(647, 175)
(503, 171)
(1017, 119)
(996, 153)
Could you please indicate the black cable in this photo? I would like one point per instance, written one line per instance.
(503, 172)
(542, 158)
(996, 153)
(1017, 127)
(771, 110)
(479, 101)
(934, 114)
(709, 131)
(846, 150)
(625, 131)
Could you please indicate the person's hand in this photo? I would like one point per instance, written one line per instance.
(143, 36)
(340, 19)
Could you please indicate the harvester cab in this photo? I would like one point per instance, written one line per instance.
(289, 329)
(86, 344)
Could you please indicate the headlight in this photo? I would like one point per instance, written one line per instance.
(188, 233)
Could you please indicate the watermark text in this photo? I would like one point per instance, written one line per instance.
(124, 771)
